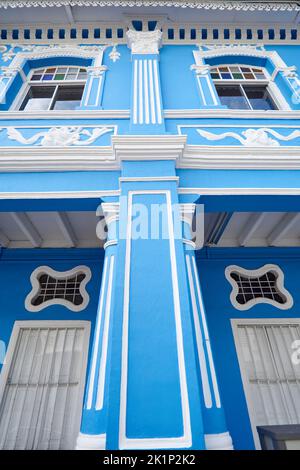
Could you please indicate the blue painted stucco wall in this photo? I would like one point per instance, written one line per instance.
(219, 310)
(16, 266)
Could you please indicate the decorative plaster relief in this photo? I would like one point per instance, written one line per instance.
(60, 136)
(206, 5)
(144, 42)
(252, 137)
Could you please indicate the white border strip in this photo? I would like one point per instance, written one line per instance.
(89, 401)
(103, 360)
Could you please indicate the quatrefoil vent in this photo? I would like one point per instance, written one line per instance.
(263, 285)
(67, 288)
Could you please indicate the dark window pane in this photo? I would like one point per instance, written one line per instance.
(259, 97)
(47, 77)
(232, 97)
(38, 98)
(226, 76)
(68, 97)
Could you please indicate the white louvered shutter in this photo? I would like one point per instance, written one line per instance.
(271, 380)
(39, 407)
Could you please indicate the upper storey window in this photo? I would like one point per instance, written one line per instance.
(243, 87)
(58, 88)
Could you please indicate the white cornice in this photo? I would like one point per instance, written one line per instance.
(170, 147)
(148, 147)
(168, 114)
(282, 5)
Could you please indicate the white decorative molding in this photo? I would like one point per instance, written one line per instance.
(34, 279)
(96, 71)
(200, 70)
(187, 212)
(144, 42)
(212, 47)
(148, 147)
(74, 158)
(236, 50)
(91, 442)
(168, 114)
(58, 50)
(207, 393)
(206, 5)
(220, 441)
(110, 211)
(211, 365)
(256, 273)
(64, 136)
(66, 114)
(114, 55)
(252, 137)
(104, 349)
(96, 345)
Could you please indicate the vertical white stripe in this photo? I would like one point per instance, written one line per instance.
(99, 90)
(102, 367)
(157, 94)
(207, 341)
(146, 90)
(201, 91)
(151, 88)
(212, 91)
(141, 98)
(97, 334)
(135, 78)
(199, 339)
(88, 93)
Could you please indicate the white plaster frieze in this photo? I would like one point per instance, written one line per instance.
(252, 137)
(59, 136)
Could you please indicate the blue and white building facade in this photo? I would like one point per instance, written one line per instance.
(149, 223)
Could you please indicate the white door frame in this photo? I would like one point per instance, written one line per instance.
(253, 321)
(86, 325)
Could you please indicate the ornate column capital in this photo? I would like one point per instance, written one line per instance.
(96, 71)
(144, 42)
(200, 69)
(187, 212)
(110, 212)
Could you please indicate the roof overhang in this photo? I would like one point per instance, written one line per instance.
(77, 11)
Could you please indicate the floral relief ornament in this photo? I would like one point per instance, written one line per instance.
(252, 137)
(60, 136)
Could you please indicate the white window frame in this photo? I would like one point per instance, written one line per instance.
(271, 88)
(38, 83)
(58, 275)
(18, 325)
(257, 273)
(248, 396)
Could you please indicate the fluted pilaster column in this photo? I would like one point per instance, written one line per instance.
(94, 419)
(215, 430)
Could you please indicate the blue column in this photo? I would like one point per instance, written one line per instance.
(215, 429)
(94, 417)
(154, 390)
